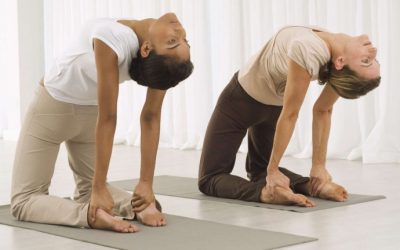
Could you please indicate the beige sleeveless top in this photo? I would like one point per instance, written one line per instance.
(264, 76)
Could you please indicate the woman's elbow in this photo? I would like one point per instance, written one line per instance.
(322, 110)
(149, 117)
(290, 116)
(107, 118)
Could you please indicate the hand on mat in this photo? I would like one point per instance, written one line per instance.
(142, 196)
(275, 178)
(100, 198)
(319, 176)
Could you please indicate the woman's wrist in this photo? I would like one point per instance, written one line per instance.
(272, 168)
(98, 184)
(318, 166)
(145, 182)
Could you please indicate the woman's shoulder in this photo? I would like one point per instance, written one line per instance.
(112, 30)
(119, 37)
(308, 50)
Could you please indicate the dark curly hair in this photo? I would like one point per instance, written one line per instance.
(159, 71)
(346, 82)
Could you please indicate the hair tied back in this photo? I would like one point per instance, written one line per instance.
(325, 73)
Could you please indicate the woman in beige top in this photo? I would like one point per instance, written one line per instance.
(264, 99)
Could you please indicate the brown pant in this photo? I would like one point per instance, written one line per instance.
(47, 124)
(235, 114)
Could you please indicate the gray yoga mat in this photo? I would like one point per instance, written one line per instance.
(180, 234)
(187, 188)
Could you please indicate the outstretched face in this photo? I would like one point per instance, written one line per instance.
(361, 57)
(168, 37)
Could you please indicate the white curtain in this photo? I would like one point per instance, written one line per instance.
(9, 74)
(223, 35)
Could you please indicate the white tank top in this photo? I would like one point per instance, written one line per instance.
(73, 76)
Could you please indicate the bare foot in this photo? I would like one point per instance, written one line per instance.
(334, 192)
(105, 221)
(281, 196)
(150, 216)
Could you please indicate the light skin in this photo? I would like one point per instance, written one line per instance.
(281, 196)
(359, 54)
(167, 37)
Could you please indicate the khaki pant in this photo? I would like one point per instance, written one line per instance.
(47, 124)
(235, 114)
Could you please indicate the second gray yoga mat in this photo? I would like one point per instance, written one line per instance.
(180, 234)
(187, 188)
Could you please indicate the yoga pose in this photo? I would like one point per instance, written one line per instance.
(264, 99)
(76, 103)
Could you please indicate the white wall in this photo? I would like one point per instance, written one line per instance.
(223, 34)
(31, 48)
(9, 73)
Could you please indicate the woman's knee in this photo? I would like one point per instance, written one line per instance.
(203, 184)
(16, 208)
(207, 184)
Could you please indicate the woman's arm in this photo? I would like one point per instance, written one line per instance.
(296, 88)
(107, 80)
(322, 113)
(150, 133)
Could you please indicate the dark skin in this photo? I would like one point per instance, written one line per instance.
(166, 36)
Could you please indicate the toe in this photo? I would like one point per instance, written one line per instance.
(305, 202)
(133, 228)
(299, 200)
(158, 222)
(345, 195)
(310, 203)
(120, 228)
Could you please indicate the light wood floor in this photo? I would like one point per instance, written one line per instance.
(371, 225)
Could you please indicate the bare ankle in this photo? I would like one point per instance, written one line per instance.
(266, 195)
(88, 218)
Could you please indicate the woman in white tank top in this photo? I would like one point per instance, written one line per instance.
(76, 103)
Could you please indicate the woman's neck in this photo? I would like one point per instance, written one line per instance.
(335, 42)
(140, 27)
